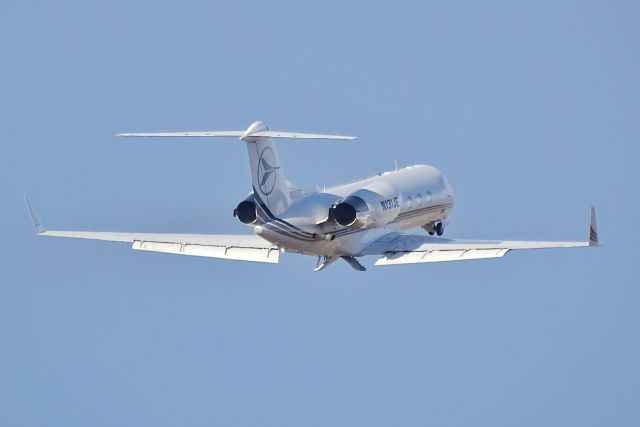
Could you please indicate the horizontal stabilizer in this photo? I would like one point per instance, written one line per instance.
(239, 134)
(204, 134)
(299, 135)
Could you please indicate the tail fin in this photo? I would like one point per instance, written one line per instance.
(267, 174)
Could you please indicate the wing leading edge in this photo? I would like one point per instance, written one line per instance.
(234, 247)
(399, 248)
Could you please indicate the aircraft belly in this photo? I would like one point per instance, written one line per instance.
(349, 243)
(424, 218)
(425, 215)
(352, 244)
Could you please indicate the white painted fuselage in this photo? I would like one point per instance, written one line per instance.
(410, 197)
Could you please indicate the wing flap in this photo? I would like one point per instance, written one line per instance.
(395, 258)
(257, 254)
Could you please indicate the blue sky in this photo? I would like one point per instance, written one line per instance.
(529, 108)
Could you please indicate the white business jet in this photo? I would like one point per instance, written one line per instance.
(365, 217)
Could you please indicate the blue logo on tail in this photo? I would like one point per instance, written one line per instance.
(267, 173)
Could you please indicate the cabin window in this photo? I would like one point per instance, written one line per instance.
(409, 202)
(428, 197)
(419, 199)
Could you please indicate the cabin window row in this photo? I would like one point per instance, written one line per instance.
(420, 200)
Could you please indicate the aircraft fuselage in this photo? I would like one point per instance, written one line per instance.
(344, 220)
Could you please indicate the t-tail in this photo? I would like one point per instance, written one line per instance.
(267, 174)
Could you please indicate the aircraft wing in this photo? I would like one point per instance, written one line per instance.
(399, 248)
(235, 247)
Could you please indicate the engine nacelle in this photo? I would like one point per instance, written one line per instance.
(246, 211)
(372, 206)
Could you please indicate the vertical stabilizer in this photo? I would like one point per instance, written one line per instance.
(267, 174)
(269, 183)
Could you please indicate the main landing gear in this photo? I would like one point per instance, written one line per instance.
(328, 260)
(434, 228)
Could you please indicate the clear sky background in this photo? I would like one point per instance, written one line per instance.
(531, 109)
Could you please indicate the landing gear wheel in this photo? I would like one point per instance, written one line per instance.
(439, 229)
(431, 233)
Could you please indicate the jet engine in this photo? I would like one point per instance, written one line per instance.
(374, 205)
(246, 211)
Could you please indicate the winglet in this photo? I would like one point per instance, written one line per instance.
(34, 217)
(593, 229)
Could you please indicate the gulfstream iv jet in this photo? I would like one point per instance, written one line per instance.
(366, 217)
